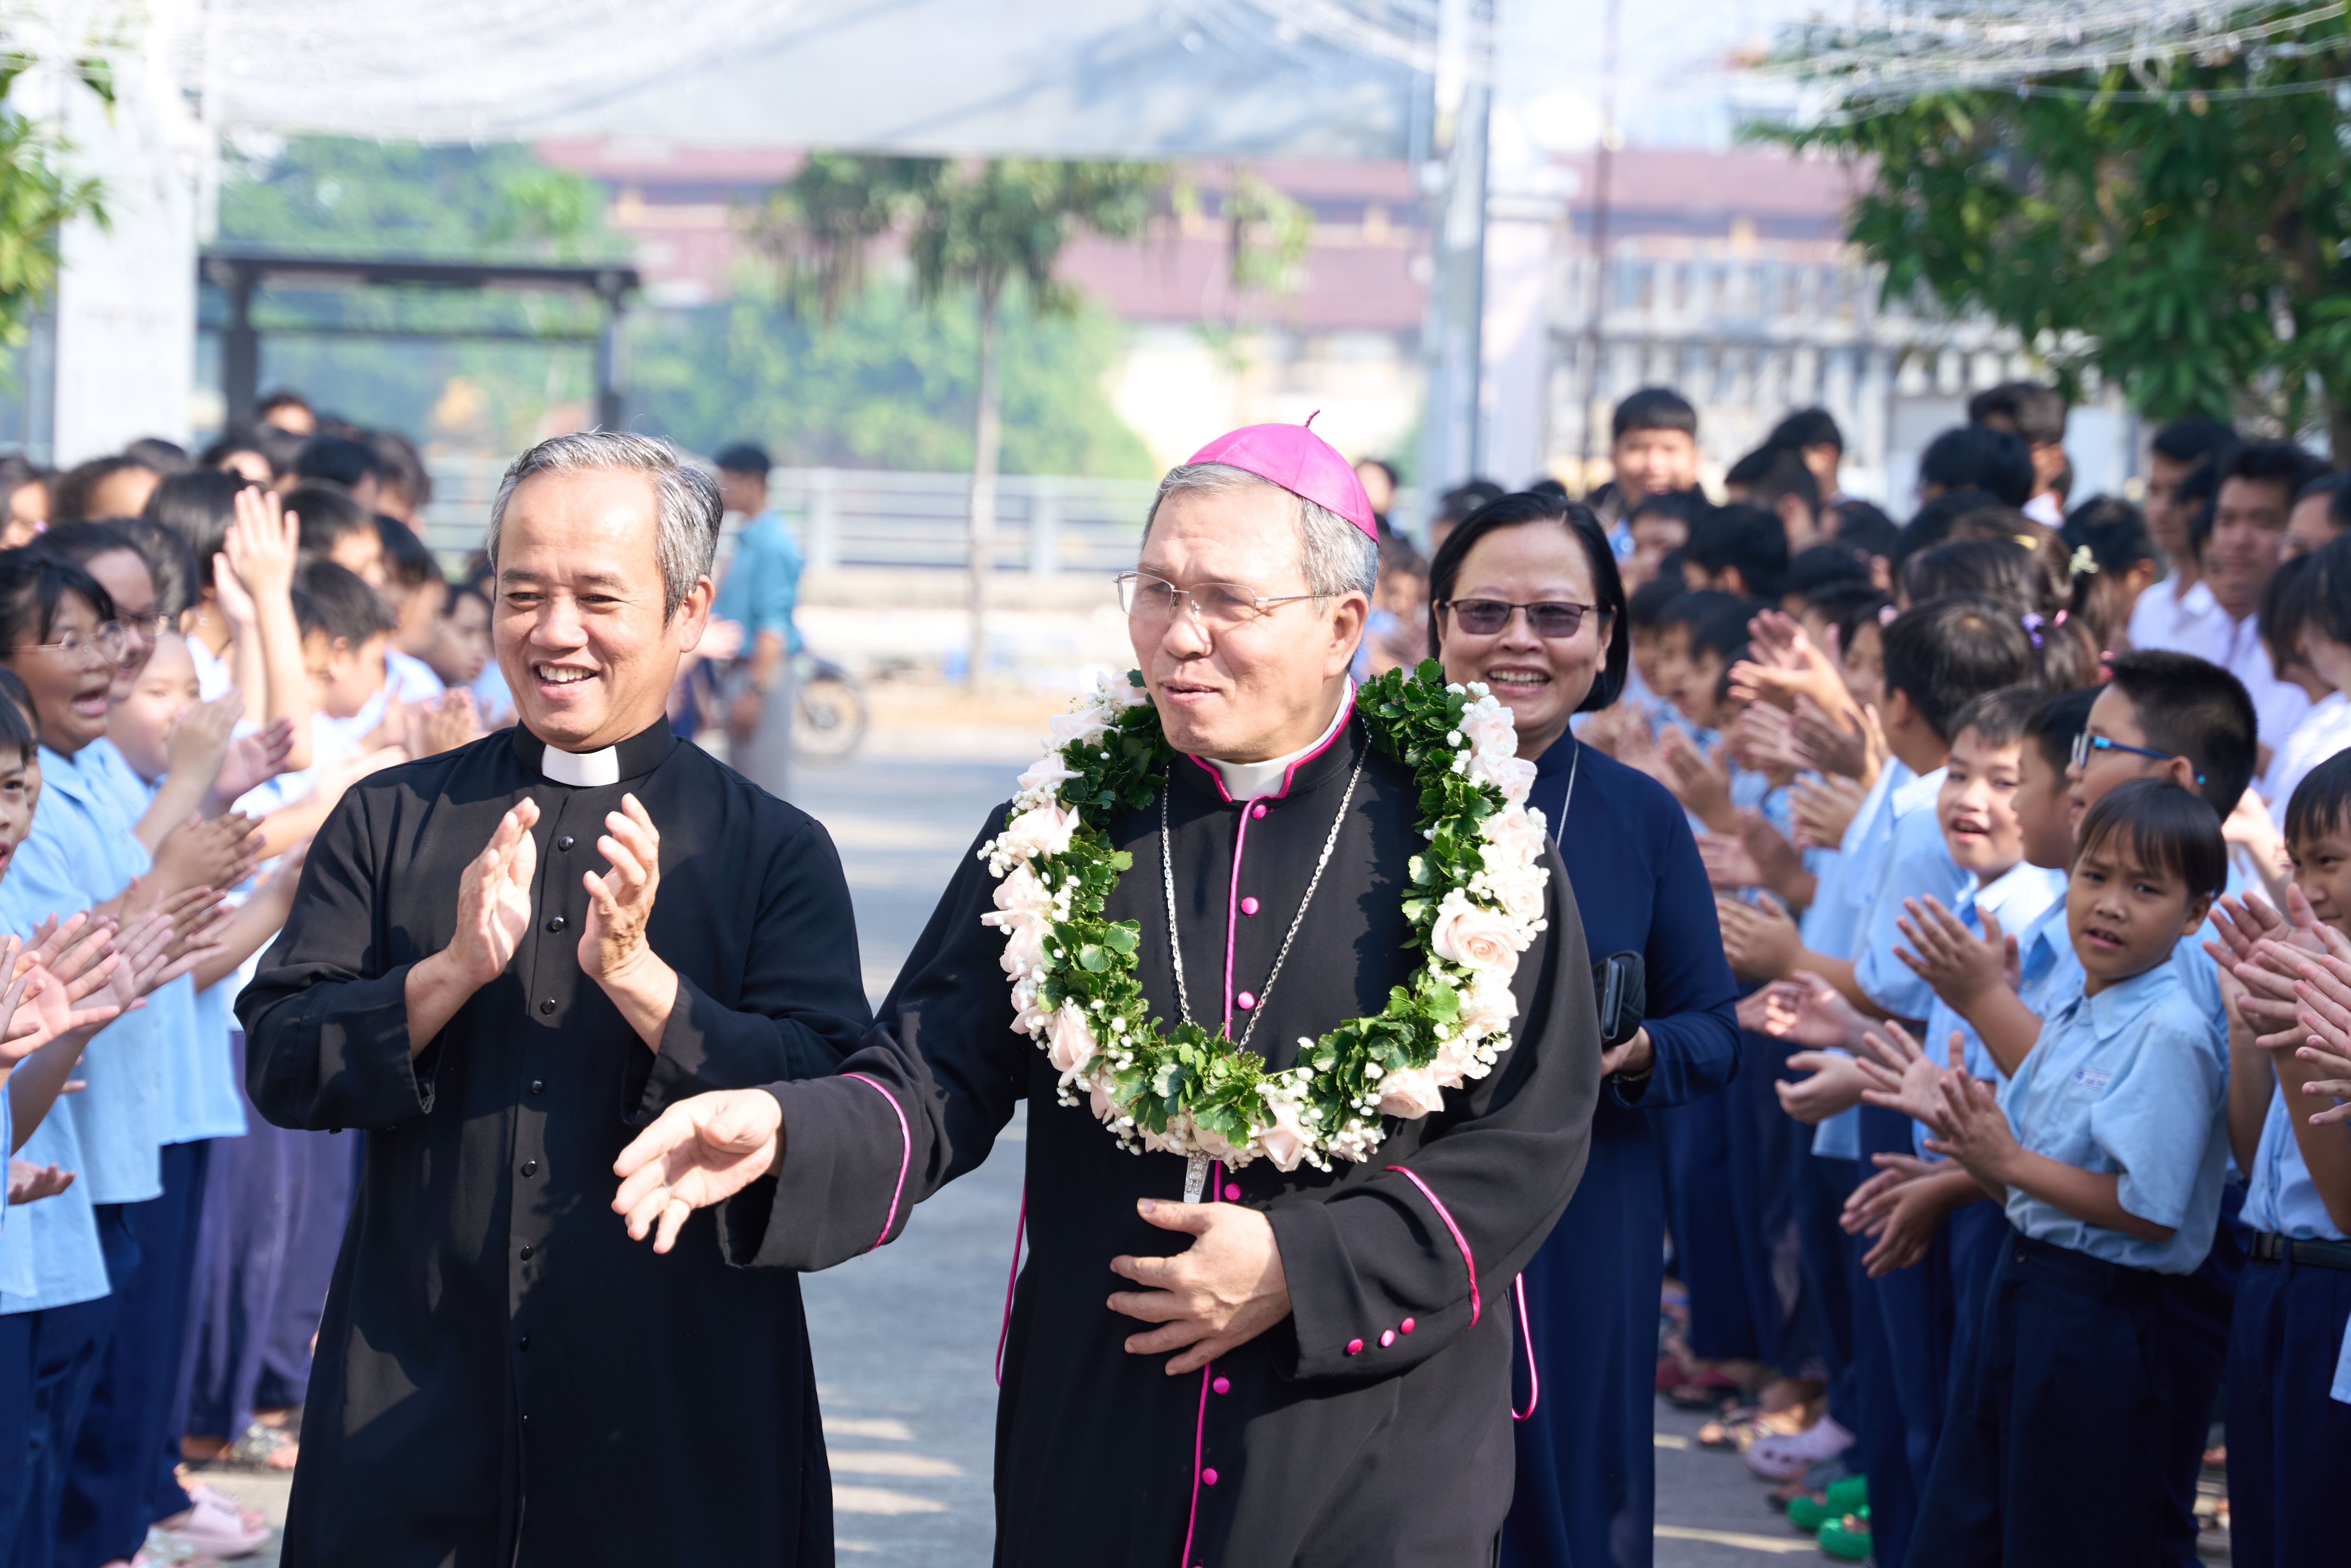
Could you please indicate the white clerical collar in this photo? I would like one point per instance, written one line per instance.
(584, 770)
(1247, 781)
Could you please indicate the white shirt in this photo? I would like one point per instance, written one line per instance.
(2165, 618)
(2044, 510)
(2236, 647)
(2324, 730)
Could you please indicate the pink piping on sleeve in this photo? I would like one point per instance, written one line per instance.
(1458, 1240)
(1019, 1230)
(905, 1154)
(1200, 1421)
(1534, 1383)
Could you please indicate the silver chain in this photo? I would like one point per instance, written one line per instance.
(1167, 881)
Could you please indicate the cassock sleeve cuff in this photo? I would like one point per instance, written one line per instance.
(337, 1055)
(707, 1046)
(842, 1189)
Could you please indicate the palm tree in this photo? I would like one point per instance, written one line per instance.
(979, 226)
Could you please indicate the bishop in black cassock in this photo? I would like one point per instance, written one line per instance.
(501, 1377)
(1371, 1425)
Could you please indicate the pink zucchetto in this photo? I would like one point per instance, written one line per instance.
(1299, 461)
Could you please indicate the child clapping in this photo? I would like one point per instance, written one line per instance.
(2108, 1146)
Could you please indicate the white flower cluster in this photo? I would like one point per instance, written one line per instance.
(1481, 928)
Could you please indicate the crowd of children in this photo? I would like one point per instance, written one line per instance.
(2031, 833)
(198, 657)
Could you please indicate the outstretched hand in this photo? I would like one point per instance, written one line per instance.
(620, 901)
(494, 898)
(1222, 1292)
(698, 1152)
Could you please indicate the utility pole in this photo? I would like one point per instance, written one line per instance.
(1603, 154)
(1455, 181)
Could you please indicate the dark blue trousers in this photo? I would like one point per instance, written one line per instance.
(1587, 1472)
(2288, 1440)
(274, 1206)
(1707, 1248)
(165, 1495)
(2062, 1448)
(15, 1417)
(68, 1345)
(1978, 1231)
(1762, 1144)
(1828, 1262)
(110, 1467)
(1913, 1307)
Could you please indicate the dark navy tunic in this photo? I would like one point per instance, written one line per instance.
(1587, 1469)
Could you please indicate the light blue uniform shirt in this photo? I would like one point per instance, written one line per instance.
(199, 1098)
(1915, 864)
(81, 852)
(2050, 971)
(2279, 1195)
(2342, 1389)
(1832, 925)
(50, 1255)
(763, 582)
(2017, 897)
(2127, 1082)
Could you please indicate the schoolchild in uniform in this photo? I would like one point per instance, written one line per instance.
(2108, 1145)
(2287, 1438)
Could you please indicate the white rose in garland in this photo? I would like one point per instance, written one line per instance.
(1477, 901)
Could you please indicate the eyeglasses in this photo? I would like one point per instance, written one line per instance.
(1555, 621)
(2085, 742)
(1154, 601)
(110, 643)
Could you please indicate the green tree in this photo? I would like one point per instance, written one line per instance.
(37, 197)
(993, 229)
(2180, 224)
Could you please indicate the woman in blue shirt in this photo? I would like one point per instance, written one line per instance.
(1526, 598)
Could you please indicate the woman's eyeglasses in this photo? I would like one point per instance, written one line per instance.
(110, 643)
(2085, 742)
(1553, 619)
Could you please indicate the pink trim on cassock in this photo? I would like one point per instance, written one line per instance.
(1019, 1230)
(1458, 1240)
(1534, 1383)
(906, 1153)
(1347, 712)
(1200, 1421)
(1233, 915)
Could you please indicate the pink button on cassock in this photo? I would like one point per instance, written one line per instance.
(1249, 906)
(1222, 1385)
(1208, 1478)
(1408, 1325)
(1257, 810)
(1387, 1337)
(1232, 1192)
(1245, 1000)
(1354, 1348)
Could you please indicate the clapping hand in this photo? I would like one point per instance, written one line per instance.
(700, 1151)
(69, 963)
(1974, 1130)
(1821, 809)
(29, 1183)
(1841, 740)
(221, 853)
(1810, 1011)
(494, 898)
(620, 900)
(1959, 965)
(1899, 1210)
(1760, 942)
(1903, 1078)
(253, 759)
(1834, 1086)
(1697, 779)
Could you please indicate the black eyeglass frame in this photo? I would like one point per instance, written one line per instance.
(2085, 742)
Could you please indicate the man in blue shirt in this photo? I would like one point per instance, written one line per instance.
(760, 590)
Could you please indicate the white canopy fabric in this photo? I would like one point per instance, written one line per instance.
(1330, 78)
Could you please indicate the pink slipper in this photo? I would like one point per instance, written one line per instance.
(254, 1518)
(212, 1526)
(1776, 1457)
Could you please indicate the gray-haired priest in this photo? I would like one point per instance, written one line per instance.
(1296, 992)
(501, 961)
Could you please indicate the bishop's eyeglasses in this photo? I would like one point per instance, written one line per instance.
(1220, 606)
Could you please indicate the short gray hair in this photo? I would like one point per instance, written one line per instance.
(1337, 557)
(688, 509)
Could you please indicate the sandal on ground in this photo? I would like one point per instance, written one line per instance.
(1777, 1457)
(213, 1525)
(262, 1451)
(1847, 1539)
(1735, 1435)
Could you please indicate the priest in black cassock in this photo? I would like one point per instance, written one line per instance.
(1309, 1367)
(503, 960)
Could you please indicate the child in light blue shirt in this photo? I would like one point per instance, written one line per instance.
(2110, 1143)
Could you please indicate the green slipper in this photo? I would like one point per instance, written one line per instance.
(1846, 1539)
(1850, 1495)
(1807, 1515)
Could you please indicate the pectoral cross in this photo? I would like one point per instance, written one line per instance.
(1195, 1176)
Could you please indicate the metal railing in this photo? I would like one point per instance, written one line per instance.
(850, 518)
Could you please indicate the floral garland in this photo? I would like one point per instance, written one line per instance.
(1476, 903)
